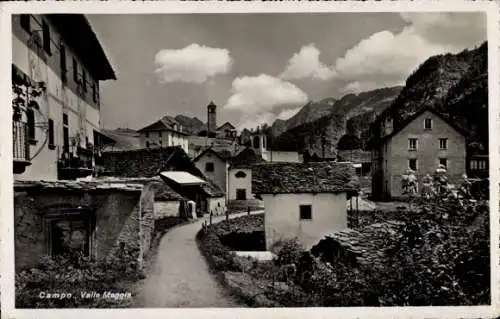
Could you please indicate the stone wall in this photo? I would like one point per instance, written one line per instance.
(121, 214)
(166, 208)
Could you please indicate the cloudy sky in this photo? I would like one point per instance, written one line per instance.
(259, 67)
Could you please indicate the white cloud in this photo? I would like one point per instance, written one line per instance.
(253, 120)
(306, 64)
(387, 58)
(192, 64)
(262, 93)
(288, 113)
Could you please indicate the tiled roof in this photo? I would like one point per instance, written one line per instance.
(312, 177)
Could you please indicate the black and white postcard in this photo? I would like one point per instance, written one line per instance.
(229, 159)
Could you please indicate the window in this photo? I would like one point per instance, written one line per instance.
(412, 164)
(444, 162)
(75, 70)
(46, 37)
(94, 92)
(209, 167)
(256, 142)
(412, 144)
(146, 134)
(84, 80)
(30, 114)
(26, 22)
(240, 174)
(305, 212)
(147, 144)
(443, 143)
(477, 165)
(160, 142)
(428, 124)
(62, 57)
(159, 134)
(51, 135)
(70, 235)
(65, 132)
(241, 194)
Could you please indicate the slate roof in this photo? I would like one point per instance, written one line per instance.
(246, 158)
(212, 189)
(165, 123)
(224, 155)
(87, 186)
(165, 193)
(312, 177)
(149, 162)
(368, 245)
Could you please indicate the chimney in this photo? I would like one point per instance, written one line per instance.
(211, 119)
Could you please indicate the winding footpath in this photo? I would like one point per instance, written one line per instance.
(180, 276)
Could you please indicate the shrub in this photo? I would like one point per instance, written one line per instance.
(73, 274)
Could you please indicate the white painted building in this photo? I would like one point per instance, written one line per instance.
(303, 201)
(60, 56)
(162, 133)
(240, 180)
(214, 165)
(258, 142)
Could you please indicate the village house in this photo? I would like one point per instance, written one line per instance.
(306, 201)
(226, 130)
(168, 163)
(240, 177)
(100, 218)
(162, 133)
(421, 143)
(214, 166)
(57, 63)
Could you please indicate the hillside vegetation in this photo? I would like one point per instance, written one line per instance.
(352, 113)
(456, 85)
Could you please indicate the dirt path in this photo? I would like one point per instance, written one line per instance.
(180, 276)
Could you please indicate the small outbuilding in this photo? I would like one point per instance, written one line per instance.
(303, 200)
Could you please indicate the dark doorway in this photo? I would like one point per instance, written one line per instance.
(70, 236)
(241, 194)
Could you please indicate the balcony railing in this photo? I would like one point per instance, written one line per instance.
(21, 146)
(21, 149)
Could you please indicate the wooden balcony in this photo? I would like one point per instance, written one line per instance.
(21, 147)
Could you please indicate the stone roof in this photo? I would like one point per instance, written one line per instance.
(246, 158)
(165, 193)
(368, 245)
(312, 177)
(212, 189)
(148, 162)
(87, 186)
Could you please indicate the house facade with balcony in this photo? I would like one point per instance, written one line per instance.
(57, 65)
(421, 143)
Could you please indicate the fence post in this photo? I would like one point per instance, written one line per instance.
(211, 213)
(248, 210)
